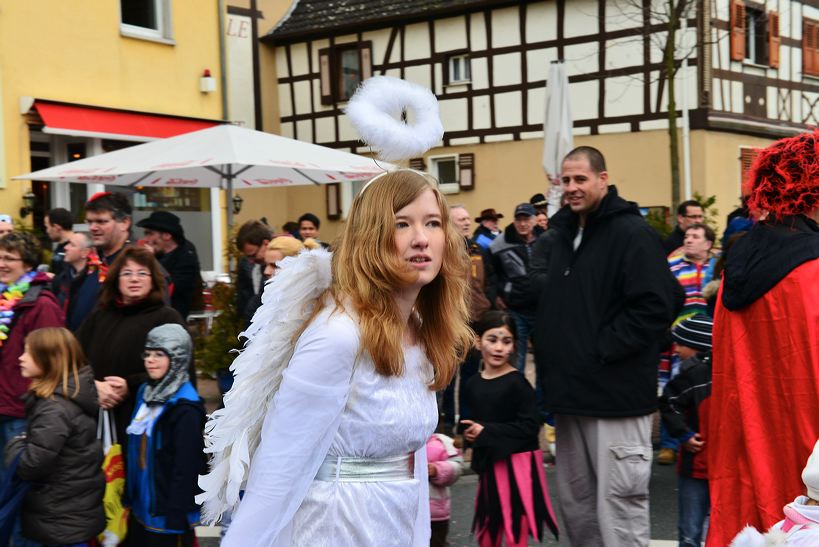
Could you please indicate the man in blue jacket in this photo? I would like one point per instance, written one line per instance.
(607, 298)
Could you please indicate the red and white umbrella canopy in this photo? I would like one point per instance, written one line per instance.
(216, 157)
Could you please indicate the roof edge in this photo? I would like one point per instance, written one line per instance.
(378, 22)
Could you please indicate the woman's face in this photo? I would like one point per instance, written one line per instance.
(270, 259)
(420, 237)
(157, 363)
(11, 267)
(135, 282)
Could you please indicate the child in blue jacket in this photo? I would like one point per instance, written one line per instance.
(165, 445)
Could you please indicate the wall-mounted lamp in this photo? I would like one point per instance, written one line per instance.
(237, 204)
(207, 83)
(30, 200)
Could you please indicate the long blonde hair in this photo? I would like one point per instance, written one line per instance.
(58, 354)
(368, 271)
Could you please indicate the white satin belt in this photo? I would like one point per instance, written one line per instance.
(351, 469)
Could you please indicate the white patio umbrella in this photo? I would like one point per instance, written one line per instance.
(224, 156)
(557, 130)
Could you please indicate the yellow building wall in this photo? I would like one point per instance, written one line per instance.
(74, 52)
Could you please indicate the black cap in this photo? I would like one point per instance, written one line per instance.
(538, 200)
(525, 209)
(163, 221)
(694, 332)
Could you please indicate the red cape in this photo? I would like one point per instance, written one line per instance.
(764, 416)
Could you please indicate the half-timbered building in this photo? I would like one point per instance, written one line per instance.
(749, 74)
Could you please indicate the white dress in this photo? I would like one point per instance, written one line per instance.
(332, 403)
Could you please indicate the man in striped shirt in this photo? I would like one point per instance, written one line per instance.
(693, 267)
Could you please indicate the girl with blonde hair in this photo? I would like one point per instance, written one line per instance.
(341, 456)
(60, 452)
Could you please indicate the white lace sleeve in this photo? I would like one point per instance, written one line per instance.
(297, 432)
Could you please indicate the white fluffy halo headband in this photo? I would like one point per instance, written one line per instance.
(376, 111)
(380, 111)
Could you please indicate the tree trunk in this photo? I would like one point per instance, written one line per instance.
(673, 134)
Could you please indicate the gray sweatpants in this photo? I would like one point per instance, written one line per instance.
(603, 470)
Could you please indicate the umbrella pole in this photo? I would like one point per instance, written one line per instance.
(229, 176)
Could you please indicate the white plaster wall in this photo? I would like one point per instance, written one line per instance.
(287, 130)
(537, 64)
(536, 107)
(305, 130)
(584, 100)
(418, 74)
(580, 18)
(480, 112)
(480, 73)
(450, 34)
(416, 42)
(325, 130)
(508, 109)
(506, 69)
(624, 52)
(317, 45)
(285, 108)
(541, 21)
(380, 39)
(505, 27)
(614, 128)
(581, 58)
(298, 57)
(346, 132)
(623, 14)
(454, 114)
(737, 97)
(301, 91)
(624, 96)
(477, 32)
(346, 39)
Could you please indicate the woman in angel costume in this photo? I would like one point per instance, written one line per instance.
(333, 401)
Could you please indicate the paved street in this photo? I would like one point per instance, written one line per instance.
(663, 510)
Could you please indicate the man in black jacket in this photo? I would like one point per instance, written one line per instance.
(509, 273)
(688, 213)
(165, 235)
(607, 298)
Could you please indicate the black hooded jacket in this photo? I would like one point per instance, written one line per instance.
(510, 265)
(63, 459)
(764, 256)
(602, 313)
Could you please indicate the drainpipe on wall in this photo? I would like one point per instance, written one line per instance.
(215, 193)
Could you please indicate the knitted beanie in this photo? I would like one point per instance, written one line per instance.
(810, 475)
(694, 332)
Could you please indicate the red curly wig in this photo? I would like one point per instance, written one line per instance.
(784, 178)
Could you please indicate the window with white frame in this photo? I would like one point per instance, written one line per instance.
(445, 169)
(458, 71)
(146, 19)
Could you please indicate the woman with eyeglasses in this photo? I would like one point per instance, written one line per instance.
(113, 336)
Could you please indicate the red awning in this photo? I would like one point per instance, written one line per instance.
(87, 121)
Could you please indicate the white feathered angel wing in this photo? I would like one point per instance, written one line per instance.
(232, 433)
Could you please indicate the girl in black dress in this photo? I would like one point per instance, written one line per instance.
(512, 500)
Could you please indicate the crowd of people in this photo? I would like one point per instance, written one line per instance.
(621, 324)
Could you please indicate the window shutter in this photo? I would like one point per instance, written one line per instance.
(365, 52)
(333, 195)
(326, 76)
(417, 164)
(746, 159)
(810, 47)
(466, 171)
(774, 39)
(737, 30)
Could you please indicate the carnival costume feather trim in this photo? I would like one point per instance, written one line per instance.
(398, 119)
(233, 433)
